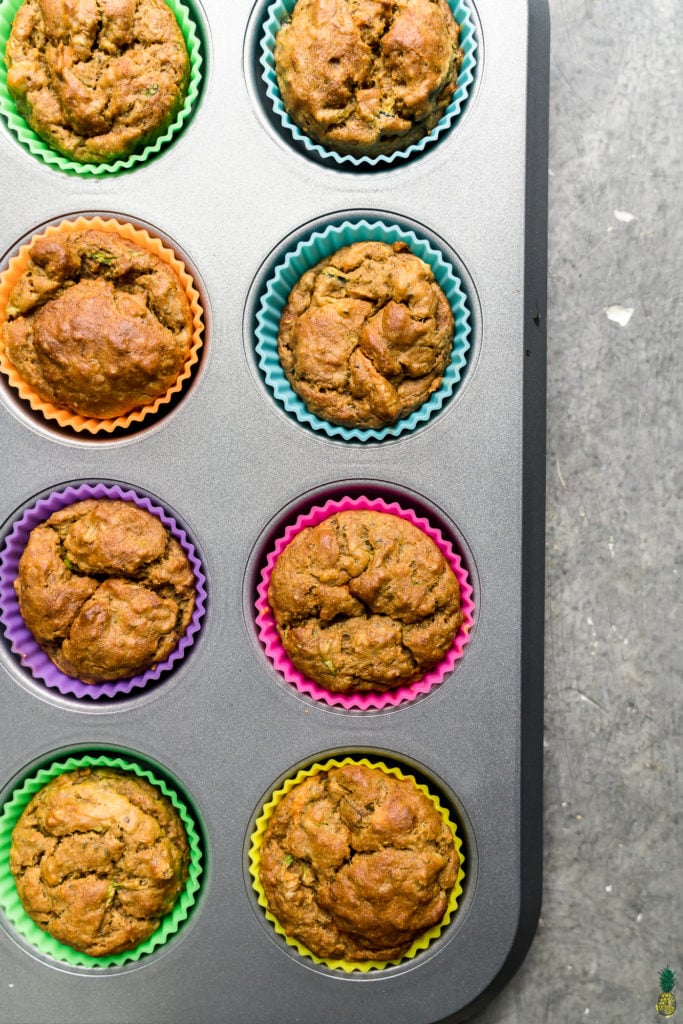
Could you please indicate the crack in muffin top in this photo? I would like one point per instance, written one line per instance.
(368, 76)
(364, 601)
(99, 857)
(366, 335)
(356, 864)
(96, 79)
(105, 589)
(96, 324)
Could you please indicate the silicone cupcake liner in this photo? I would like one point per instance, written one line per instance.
(11, 905)
(280, 11)
(66, 417)
(310, 251)
(270, 638)
(40, 149)
(348, 966)
(19, 637)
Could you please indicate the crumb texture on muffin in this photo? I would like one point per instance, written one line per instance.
(97, 324)
(364, 601)
(105, 589)
(368, 76)
(356, 864)
(366, 335)
(99, 857)
(96, 79)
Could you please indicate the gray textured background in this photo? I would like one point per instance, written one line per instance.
(612, 913)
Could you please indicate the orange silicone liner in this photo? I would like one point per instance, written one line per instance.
(66, 417)
(348, 966)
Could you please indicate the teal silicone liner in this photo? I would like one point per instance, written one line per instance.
(10, 904)
(40, 149)
(310, 251)
(280, 11)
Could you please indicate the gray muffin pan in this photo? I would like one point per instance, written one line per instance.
(235, 468)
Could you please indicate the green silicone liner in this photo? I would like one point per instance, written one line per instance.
(38, 148)
(11, 906)
(347, 966)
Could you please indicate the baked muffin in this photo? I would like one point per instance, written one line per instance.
(366, 335)
(99, 857)
(96, 324)
(97, 79)
(105, 589)
(364, 601)
(368, 77)
(356, 864)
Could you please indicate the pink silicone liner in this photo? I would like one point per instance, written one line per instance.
(270, 639)
(20, 638)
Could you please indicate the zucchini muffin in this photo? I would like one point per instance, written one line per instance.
(366, 335)
(96, 324)
(364, 601)
(105, 589)
(98, 858)
(97, 79)
(357, 864)
(366, 77)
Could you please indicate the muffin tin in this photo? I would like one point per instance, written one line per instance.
(232, 194)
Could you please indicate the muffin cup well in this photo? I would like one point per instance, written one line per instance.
(66, 417)
(21, 640)
(281, 661)
(11, 905)
(37, 147)
(281, 10)
(254, 856)
(317, 246)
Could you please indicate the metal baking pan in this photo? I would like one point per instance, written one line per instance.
(228, 194)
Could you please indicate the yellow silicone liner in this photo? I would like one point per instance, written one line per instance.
(66, 417)
(254, 856)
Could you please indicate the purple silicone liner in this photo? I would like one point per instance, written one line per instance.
(272, 644)
(21, 640)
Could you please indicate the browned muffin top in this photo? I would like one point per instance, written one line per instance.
(356, 864)
(364, 601)
(98, 858)
(96, 79)
(105, 589)
(368, 76)
(96, 324)
(365, 335)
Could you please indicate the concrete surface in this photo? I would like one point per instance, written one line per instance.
(613, 878)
